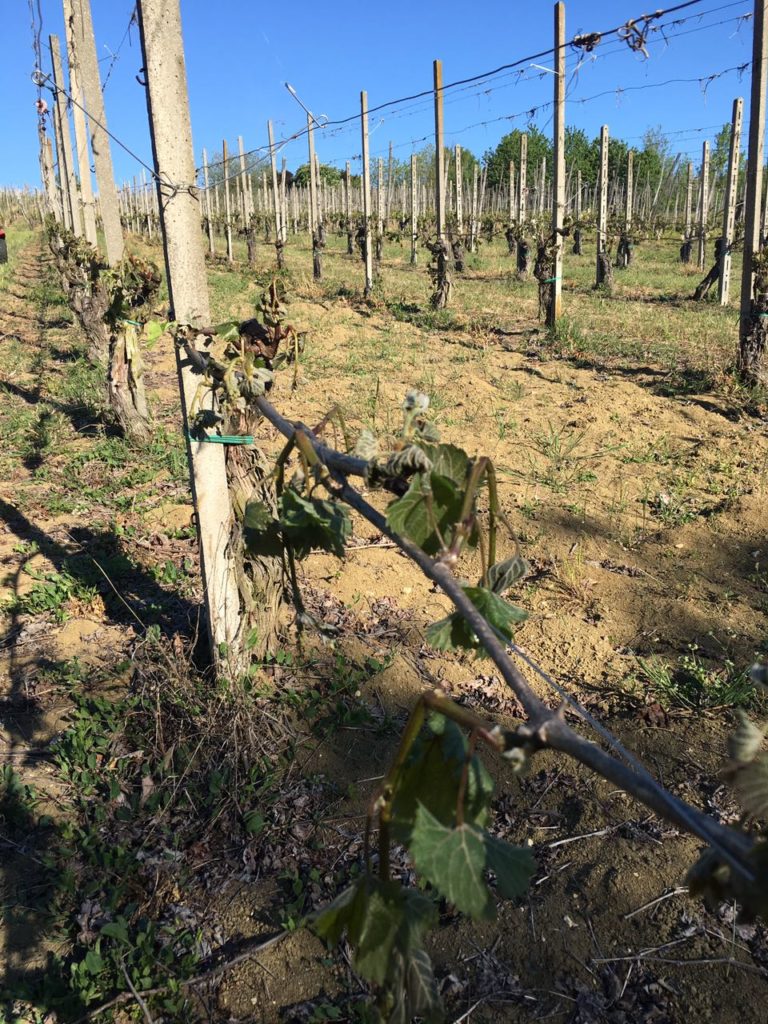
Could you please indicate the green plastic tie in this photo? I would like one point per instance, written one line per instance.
(133, 323)
(222, 438)
(550, 280)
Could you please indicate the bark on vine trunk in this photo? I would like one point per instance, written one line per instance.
(261, 579)
(126, 394)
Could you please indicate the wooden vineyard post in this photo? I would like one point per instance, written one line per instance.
(81, 133)
(554, 309)
(602, 208)
(379, 202)
(459, 206)
(208, 205)
(227, 203)
(729, 207)
(703, 203)
(753, 321)
(170, 128)
(73, 216)
(79, 16)
(367, 254)
(439, 150)
(414, 212)
(279, 227)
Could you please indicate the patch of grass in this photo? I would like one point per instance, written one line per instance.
(52, 595)
(695, 684)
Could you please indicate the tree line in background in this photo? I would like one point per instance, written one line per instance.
(654, 160)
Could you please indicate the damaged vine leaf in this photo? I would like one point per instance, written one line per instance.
(385, 924)
(427, 511)
(503, 575)
(454, 632)
(747, 772)
(438, 807)
(309, 524)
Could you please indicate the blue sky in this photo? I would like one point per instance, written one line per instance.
(240, 54)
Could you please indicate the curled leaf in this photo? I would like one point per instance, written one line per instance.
(744, 744)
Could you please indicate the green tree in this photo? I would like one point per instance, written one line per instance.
(581, 154)
(509, 149)
(330, 175)
(425, 164)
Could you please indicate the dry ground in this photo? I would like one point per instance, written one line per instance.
(634, 472)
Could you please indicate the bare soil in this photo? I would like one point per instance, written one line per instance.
(640, 506)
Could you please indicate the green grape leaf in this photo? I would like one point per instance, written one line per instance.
(153, 331)
(258, 515)
(453, 860)
(409, 517)
(373, 948)
(312, 523)
(261, 531)
(345, 913)
(229, 330)
(431, 777)
(751, 786)
(453, 632)
(513, 866)
(448, 460)
(502, 575)
(420, 985)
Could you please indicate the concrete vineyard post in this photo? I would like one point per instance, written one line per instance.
(79, 15)
(511, 193)
(66, 165)
(348, 209)
(368, 255)
(522, 184)
(60, 173)
(390, 184)
(542, 185)
(729, 207)
(49, 180)
(437, 69)
(245, 206)
(703, 203)
(314, 219)
(459, 207)
(279, 231)
(577, 203)
(170, 128)
(414, 211)
(380, 195)
(227, 203)
(473, 232)
(554, 312)
(208, 205)
(602, 207)
(752, 338)
(630, 194)
(688, 200)
(81, 132)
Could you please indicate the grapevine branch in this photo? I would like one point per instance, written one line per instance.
(544, 727)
